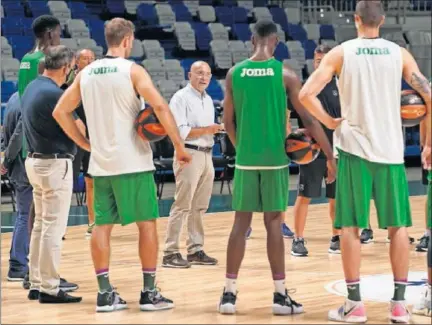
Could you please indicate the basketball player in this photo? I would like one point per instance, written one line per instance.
(121, 163)
(255, 114)
(371, 149)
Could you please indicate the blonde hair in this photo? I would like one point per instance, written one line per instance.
(116, 30)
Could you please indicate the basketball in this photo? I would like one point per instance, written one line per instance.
(148, 127)
(413, 108)
(301, 148)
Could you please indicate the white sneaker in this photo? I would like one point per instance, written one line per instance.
(399, 312)
(349, 312)
(424, 307)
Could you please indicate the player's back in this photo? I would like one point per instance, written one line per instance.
(111, 106)
(260, 105)
(29, 69)
(370, 90)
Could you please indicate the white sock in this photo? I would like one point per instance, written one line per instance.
(231, 285)
(280, 286)
(427, 233)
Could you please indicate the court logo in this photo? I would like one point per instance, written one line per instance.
(380, 288)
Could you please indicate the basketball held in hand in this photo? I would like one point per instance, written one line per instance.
(413, 108)
(300, 148)
(148, 126)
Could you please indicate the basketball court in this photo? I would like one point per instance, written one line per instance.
(317, 279)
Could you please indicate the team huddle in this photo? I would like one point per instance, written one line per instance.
(368, 160)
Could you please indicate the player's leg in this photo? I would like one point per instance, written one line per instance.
(106, 215)
(353, 194)
(310, 182)
(423, 244)
(335, 240)
(137, 202)
(425, 305)
(394, 213)
(246, 200)
(90, 203)
(274, 196)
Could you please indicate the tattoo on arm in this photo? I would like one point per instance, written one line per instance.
(420, 84)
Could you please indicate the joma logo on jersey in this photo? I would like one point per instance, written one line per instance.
(372, 51)
(25, 65)
(257, 72)
(102, 70)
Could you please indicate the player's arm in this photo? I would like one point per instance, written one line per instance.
(63, 114)
(293, 86)
(228, 111)
(413, 76)
(329, 66)
(145, 88)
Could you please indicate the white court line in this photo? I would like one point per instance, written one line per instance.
(7, 227)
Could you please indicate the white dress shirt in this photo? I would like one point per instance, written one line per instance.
(193, 110)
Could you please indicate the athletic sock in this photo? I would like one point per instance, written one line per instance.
(399, 289)
(149, 276)
(353, 288)
(231, 283)
(427, 233)
(103, 280)
(279, 283)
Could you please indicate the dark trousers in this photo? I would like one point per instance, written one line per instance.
(18, 261)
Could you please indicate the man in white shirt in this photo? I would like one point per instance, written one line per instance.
(194, 113)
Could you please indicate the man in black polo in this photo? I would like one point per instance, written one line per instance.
(312, 175)
(49, 169)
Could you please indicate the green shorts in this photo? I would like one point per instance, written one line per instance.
(359, 181)
(125, 199)
(260, 190)
(429, 202)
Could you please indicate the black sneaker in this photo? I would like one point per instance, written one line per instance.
(109, 301)
(33, 294)
(175, 261)
(335, 245)
(26, 282)
(227, 304)
(366, 236)
(61, 298)
(201, 258)
(16, 276)
(284, 305)
(67, 286)
(153, 301)
(298, 247)
(423, 244)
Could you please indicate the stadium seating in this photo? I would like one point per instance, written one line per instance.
(172, 34)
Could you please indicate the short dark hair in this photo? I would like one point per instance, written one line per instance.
(370, 12)
(57, 57)
(44, 23)
(264, 28)
(116, 30)
(323, 49)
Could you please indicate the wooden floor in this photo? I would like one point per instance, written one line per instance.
(196, 291)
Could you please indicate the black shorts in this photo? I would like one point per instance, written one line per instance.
(81, 163)
(311, 178)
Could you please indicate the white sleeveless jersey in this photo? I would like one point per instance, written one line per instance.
(111, 106)
(370, 94)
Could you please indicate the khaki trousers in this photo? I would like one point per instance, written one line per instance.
(52, 193)
(194, 186)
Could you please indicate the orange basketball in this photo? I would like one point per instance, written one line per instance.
(301, 148)
(413, 108)
(148, 127)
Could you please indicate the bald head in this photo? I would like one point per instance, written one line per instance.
(84, 58)
(200, 75)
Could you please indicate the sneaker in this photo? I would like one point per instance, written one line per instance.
(298, 247)
(366, 236)
(33, 294)
(26, 282)
(286, 232)
(153, 301)
(67, 286)
(399, 312)
(89, 230)
(349, 312)
(424, 307)
(110, 301)
(16, 276)
(284, 305)
(423, 244)
(227, 304)
(201, 258)
(411, 240)
(248, 233)
(175, 261)
(335, 245)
